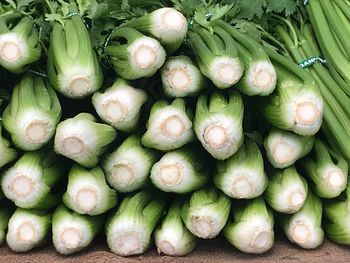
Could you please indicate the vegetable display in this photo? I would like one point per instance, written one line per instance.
(166, 123)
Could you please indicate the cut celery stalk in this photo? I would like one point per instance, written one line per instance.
(33, 113)
(218, 123)
(127, 168)
(169, 126)
(87, 191)
(120, 105)
(82, 139)
(287, 191)
(180, 171)
(242, 176)
(206, 212)
(251, 228)
(171, 236)
(72, 232)
(28, 229)
(129, 230)
(29, 182)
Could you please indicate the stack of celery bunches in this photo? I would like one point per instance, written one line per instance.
(227, 137)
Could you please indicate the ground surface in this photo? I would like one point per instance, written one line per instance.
(206, 252)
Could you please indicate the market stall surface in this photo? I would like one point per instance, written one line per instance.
(214, 251)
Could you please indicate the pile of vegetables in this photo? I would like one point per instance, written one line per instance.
(167, 122)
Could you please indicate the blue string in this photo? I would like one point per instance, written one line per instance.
(72, 14)
(310, 61)
(77, 14)
(208, 15)
(40, 74)
(190, 23)
(106, 44)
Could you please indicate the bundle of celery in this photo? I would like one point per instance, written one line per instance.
(172, 122)
(298, 38)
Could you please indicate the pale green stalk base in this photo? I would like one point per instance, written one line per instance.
(172, 237)
(287, 191)
(169, 126)
(72, 232)
(28, 229)
(82, 139)
(120, 105)
(206, 213)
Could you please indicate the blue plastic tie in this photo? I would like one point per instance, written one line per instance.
(311, 61)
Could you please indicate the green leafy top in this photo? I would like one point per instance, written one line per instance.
(239, 8)
(23, 6)
(204, 12)
(256, 8)
(205, 15)
(105, 15)
(102, 16)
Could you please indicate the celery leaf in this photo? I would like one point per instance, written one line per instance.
(251, 9)
(279, 6)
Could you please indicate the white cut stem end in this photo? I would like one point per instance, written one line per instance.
(179, 79)
(73, 146)
(173, 20)
(307, 113)
(282, 152)
(260, 240)
(300, 232)
(296, 199)
(10, 52)
(36, 132)
(171, 174)
(79, 85)
(22, 185)
(71, 237)
(86, 199)
(167, 247)
(215, 135)
(242, 187)
(227, 73)
(263, 79)
(173, 127)
(115, 110)
(129, 243)
(26, 232)
(145, 56)
(335, 178)
(202, 226)
(123, 174)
